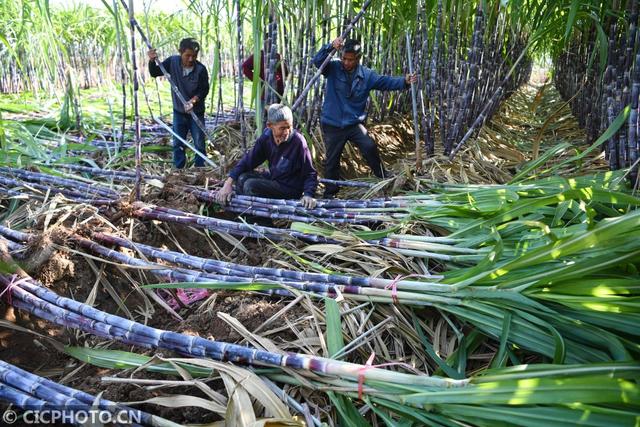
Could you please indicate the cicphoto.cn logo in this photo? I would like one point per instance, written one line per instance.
(67, 416)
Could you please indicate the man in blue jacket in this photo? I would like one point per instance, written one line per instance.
(291, 172)
(192, 80)
(343, 112)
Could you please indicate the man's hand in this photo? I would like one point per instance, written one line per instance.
(188, 106)
(152, 54)
(337, 43)
(308, 202)
(225, 194)
(411, 78)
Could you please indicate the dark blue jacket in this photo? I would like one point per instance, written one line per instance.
(196, 83)
(343, 105)
(289, 163)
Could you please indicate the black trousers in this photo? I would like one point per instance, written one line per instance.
(259, 185)
(335, 139)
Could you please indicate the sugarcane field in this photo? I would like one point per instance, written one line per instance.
(320, 213)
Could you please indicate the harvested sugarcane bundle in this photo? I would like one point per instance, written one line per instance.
(53, 395)
(421, 389)
(63, 182)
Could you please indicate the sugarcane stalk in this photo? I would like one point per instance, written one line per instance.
(316, 76)
(44, 299)
(58, 395)
(414, 106)
(136, 110)
(240, 77)
(211, 265)
(58, 181)
(123, 76)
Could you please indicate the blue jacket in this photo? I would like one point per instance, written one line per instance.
(343, 105)
(289, 163)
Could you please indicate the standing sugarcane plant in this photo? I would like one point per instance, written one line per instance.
(123, 75)
(414, 106)
(136, 112)
(240, 77)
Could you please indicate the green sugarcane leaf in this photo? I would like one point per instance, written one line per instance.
(117, 359)
(604, 232)
(238, 286)
(419, 416)
(491, 416)
(428, 347)
(620, 120)
(349, 414)
(536, 391)
(335, 342)
(375, 234)
(539, 370)
(501, 357)
(573, 11)
(525, 171)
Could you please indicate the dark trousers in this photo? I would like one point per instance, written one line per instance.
(260, 185)
(335, 139)
(182, 124)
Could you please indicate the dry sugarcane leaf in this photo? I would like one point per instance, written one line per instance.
(249, 381)
(182, 401)
(10, 325)
(255, 340)
(237, 244)
(240, 412)
(154, 183)
(263, 422)
(278, 422)
(327, 249)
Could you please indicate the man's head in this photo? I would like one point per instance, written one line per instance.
(280, 121)
(351, 52)
(189, 49)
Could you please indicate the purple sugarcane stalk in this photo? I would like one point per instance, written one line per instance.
(65, 182)
(89, 318)
(95, 202)
(223, 267)
(136, 109)
(106, 172)
(63, 396)
(255, 231)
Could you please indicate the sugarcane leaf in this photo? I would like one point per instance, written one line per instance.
(182, 401)
(526, 168)
(571, 19)
(238, 286)
(620, 120)
(117, 359)
(376, 234)
(335, 342)
(240, 410)
(532, 391)
(500, 358)
(428, 347)
(490, 416)
(348, 413)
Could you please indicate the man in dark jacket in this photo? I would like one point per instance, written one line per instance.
(345, 100)
(291, 172)
(192, 80)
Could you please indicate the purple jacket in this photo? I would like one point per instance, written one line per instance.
(289, 163)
